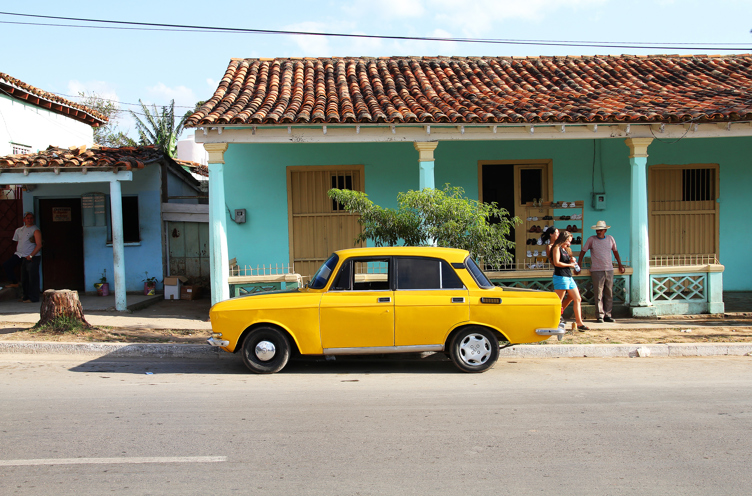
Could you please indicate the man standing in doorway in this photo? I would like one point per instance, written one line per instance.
(29, 239)
(602, 269)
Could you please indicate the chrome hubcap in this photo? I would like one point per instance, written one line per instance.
(265, 350)
(475, 349)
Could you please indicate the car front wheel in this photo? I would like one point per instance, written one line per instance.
(474, 349)
(266, 350)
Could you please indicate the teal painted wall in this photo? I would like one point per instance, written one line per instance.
(255, 179)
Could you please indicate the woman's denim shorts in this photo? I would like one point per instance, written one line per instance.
(561, 282)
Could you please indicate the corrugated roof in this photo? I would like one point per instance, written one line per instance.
(588, 89)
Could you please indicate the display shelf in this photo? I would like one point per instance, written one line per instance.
(537, 217)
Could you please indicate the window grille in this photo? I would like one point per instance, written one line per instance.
(20, 149)
(343, 180)
(697, 184)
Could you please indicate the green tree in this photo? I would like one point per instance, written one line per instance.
(159, 128)
(445, 216)
(108, 134)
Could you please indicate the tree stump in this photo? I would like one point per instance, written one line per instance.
(61, 304)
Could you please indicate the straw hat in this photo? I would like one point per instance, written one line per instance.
(601, 224)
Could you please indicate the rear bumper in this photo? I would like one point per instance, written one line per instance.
(550, 331)
(218, 342)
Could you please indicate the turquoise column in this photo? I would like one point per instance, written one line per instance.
(218, 254)
(118, 249)
(639, 245)
(426, 163)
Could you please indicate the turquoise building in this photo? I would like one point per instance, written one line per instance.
(655, 146)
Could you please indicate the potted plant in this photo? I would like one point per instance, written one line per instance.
(150, 285)
(103, 287)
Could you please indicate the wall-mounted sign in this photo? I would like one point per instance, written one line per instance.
(61, 214)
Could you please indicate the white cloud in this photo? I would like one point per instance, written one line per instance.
(212, 83)
(481, 17)
(312, 46)
(162, 94)
(393, 9)
(102, 89)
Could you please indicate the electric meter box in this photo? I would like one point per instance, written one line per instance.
(599, 201)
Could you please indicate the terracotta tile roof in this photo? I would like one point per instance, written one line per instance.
(76, 158)
(195, 167)
(660, 88)
(28, 93)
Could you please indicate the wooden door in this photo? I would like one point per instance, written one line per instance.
(317, 225)
(189, 250)
(62, 243)
(684, 213)
(11, 218)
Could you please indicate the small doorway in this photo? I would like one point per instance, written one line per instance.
(512, 185)
(11, 218)
(62, 243)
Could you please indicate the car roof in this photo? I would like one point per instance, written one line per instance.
(448, 254)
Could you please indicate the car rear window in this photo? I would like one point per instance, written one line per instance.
(426, 273)
(478, 274)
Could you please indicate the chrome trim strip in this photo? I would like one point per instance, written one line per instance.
(217, 342)
(551, 332)
(374, 350)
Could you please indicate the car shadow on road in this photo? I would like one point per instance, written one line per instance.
(233, 365)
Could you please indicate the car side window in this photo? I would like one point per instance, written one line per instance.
(370, 274)
(426, 273)
(344, 278)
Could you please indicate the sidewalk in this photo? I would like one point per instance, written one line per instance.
(153, 312)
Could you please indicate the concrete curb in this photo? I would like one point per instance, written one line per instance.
(626, 350)
(155, 350)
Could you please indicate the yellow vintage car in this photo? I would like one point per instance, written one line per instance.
(386, 300)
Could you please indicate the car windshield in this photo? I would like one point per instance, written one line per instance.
(478, 274)
(321, 277)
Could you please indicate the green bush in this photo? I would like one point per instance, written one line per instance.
(433, 216)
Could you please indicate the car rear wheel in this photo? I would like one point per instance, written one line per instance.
(474, 349)
(266, 350)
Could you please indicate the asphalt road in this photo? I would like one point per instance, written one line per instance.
(668, 426)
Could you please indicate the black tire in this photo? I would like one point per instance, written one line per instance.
(474, 349)
(271, 356)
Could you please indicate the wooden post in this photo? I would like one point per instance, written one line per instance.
(61, 303)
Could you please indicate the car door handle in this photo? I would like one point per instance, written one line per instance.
(385, 299)
(458, 299)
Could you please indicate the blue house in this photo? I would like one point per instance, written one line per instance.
(657, 146)
(103, 212)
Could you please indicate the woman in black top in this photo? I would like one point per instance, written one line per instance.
(561, 257)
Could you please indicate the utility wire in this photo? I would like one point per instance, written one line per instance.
(590, 44)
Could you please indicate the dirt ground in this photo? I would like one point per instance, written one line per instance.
(697, 334)
(10, 331)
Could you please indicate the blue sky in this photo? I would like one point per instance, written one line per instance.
(157, 66)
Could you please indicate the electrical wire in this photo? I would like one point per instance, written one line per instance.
(194, 28)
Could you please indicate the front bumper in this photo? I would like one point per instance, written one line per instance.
(549, 331)
(218, 342)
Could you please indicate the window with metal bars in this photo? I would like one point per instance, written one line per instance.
(20, 149)
(698, 184)
(341, 181)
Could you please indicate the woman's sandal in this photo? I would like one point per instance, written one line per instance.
(583, 328)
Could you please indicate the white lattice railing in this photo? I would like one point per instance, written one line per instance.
(679, 287)
(261, 270)
(679, 260)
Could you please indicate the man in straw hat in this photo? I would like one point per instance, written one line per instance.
(602, 269)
